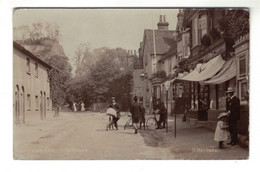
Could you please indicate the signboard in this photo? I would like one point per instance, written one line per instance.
(138, 63)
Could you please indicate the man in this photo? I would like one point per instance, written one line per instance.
(163, 112)
(233, 108)
(135, 110)
(115, 106)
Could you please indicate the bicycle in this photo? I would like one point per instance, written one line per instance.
(129, 123)
(152, 122)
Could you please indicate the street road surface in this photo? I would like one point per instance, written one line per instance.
(82, 135)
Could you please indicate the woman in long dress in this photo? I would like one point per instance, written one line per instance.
(74, 107)
(82, 107)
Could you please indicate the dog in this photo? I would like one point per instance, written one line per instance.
(110, 124)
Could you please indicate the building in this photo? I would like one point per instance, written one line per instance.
(155, 44)
(212, 66)
(31, 86)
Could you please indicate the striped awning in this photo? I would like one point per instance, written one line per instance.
(227, 72)
(206, 71)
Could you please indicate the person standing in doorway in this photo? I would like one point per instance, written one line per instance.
(135, 110)
(115, 106)
(233, 108)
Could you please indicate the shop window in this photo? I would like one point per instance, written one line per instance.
(222, 96)
(213, 101)
(28, 102)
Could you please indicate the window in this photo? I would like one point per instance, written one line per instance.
(36, 69)
(36, 103)
(186, 45)
(199, 29)
(243, 91)
(170, 65)
(222, 96)
(28, 102)
(242, 66)
(202, 27)
(28, 65)
(154, 63)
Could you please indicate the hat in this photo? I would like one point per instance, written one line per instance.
(113, 98)
(230, 90)
(222, 115)
(135, 98)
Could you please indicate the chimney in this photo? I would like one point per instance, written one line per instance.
(162, 24)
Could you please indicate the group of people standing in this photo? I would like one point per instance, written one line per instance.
(78, 106)
(226, 128)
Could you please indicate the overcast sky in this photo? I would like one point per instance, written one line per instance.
(100, 27)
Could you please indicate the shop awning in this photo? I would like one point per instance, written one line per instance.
(227, 72)
(208, 70)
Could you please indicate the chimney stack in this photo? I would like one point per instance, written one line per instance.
(162, 24)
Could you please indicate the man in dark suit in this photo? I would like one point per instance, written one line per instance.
(135, 110)
(233, 108)
(115, 106)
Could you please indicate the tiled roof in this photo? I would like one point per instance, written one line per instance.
(171, 51)
(164, 39)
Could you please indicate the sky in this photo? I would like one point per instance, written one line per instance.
(110, 28)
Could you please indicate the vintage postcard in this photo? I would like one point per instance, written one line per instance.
(131, 83)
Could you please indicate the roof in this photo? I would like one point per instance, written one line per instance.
(164, 39)
(22, 49)
(170, 52)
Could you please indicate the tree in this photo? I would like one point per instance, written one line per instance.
(42, 39)
(234, 24)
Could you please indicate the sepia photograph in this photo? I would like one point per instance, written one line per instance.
(131, 83)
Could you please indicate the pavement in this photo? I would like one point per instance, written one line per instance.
(192, 142)
(83, 136)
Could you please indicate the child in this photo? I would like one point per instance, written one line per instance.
(222, 134)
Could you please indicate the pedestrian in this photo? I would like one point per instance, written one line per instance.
(135, 110)
(142, 115)
(115, 106)
(222, 132)
(82, 106)
(163, 114)
(233, 108)
(74, 107)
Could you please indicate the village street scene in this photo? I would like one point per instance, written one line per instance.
(131, 84)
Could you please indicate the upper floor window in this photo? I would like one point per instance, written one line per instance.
(28, 102)
(242, 66)
(199, 29)
(28, 65)
(36, 69)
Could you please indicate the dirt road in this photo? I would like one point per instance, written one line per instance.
(83, 136)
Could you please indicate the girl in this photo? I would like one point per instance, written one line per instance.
(222, 134)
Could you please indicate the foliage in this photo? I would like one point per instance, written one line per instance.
(42, 39)
(214, 33)
(101, 74)
(205, 41)
(159, 74)
(234, 24)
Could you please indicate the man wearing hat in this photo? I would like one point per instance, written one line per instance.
(233, 108)
(115, 106)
